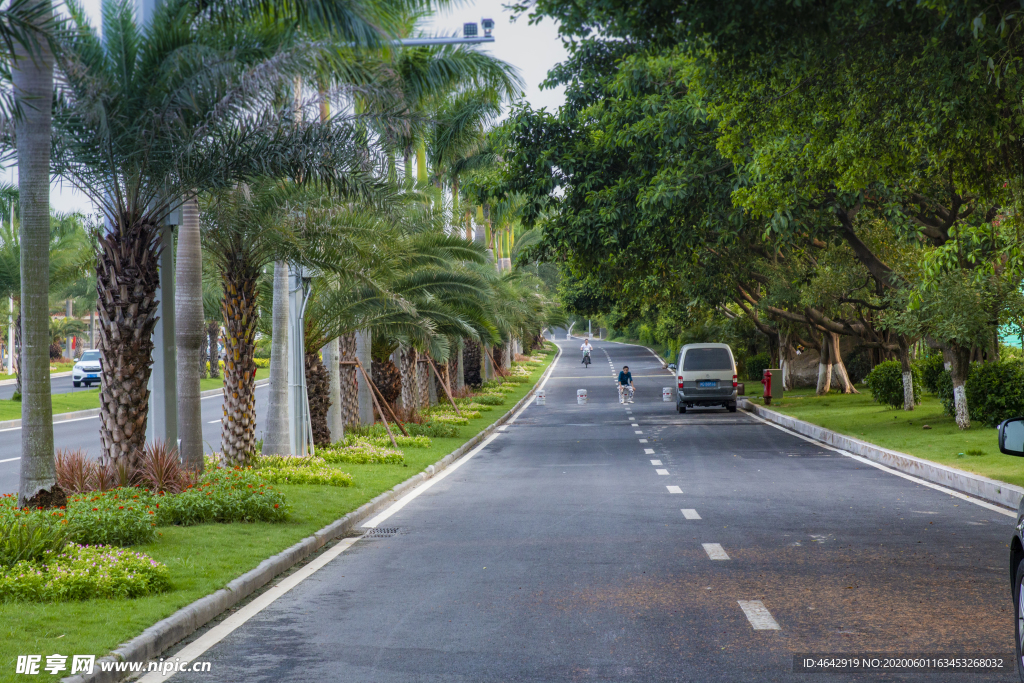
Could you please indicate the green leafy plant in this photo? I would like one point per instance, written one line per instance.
(995, 391)
(488, 400)
(311, 469)
(756, 365)
(224, 495)
(434, 429)
(362, 451)
(931, 368)
(28, 540)
(885, 382)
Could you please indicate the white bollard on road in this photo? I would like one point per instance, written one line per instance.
(666, 394)
(541, 397)
(581, 396)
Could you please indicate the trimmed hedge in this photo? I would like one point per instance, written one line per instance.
(995, 391)
(931, 369)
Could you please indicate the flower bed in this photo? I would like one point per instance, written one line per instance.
(82, 572)
(224, 495)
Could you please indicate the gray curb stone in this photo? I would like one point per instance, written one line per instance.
(991, 490)
(171, 630)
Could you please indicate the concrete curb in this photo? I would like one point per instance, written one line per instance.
(171, 630)
(991, 490)
(94, 412)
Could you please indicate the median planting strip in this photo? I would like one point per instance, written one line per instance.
(204, 559)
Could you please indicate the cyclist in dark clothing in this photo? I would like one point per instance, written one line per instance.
(625, 385)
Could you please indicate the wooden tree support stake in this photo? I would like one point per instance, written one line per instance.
(495, 364)
(373, 388)
(444, 385)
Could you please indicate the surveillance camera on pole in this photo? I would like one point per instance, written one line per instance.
(470, 35)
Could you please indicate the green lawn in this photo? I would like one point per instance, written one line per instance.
(204, 558)
(975, 450)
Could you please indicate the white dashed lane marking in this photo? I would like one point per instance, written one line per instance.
(655, 462)
(690, 513)
(634, 425)
(648, 451)
(674, 489)
(758, 615)
(663, 473)
(715, 551)
(638, 432)
(643, 440)
(214, 421)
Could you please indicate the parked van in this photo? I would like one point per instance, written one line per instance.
(706, 375)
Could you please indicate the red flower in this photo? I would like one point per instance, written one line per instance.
(276, 505)
(120, 507)
(95, 509)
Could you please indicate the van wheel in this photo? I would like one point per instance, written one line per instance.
(680, 409)
(77, 384)
(731, 407)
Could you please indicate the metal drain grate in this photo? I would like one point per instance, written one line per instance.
(381, 532)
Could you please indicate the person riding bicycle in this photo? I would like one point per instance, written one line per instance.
(586, 348)
(626, 385)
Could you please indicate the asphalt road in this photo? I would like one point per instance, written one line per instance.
(84, 433)
(562, 552)
(58, 385)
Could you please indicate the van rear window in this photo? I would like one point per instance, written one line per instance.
(707, 359)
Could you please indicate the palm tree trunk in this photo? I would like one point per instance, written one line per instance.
(213, 332)
(204, 357)
(126, 281)
(348, 385)
(189, 335)
(17, 353)
(276, 440)
(33, 89)
(238, 426)
(407, 367)
(318, 393)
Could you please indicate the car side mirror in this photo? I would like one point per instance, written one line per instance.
(672, 367)
(1011, 436)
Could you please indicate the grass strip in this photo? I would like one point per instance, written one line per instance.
(203, 558)
(975, 450)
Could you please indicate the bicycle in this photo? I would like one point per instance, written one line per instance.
(625, 393)
(586, 359)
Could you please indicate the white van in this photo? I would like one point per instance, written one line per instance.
(706, 375)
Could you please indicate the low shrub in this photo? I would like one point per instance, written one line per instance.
(472, 405)
(362, 451)
(446, 411)
(756, 365)
(489, 399)
(83, 572)
(313, 470)
(885, 382)
(384, 441)
(931, 369)
(995, 391)
(433, 429)
(449, 418)
(224, 495)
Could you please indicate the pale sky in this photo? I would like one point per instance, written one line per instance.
(533, 49)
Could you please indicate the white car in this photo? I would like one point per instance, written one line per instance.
(87, 369)
(706, 374)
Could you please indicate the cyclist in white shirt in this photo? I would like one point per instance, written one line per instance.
(586, 348)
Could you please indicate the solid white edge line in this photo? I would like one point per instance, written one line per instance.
(196, 648)
(11, 459)
(909, 477)
(425, 486)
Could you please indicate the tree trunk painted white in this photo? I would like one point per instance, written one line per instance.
(959, 360)
(908, 377)
(277, 438)
(189, 335)
(332, 359)
(32, 76)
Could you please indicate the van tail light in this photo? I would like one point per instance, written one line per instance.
(734, 381)
(680, 378)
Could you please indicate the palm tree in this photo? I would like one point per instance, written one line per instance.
(32, 77)
(143, 122)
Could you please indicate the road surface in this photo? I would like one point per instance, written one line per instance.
(631, 543)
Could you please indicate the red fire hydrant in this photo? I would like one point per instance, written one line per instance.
(766, 380)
